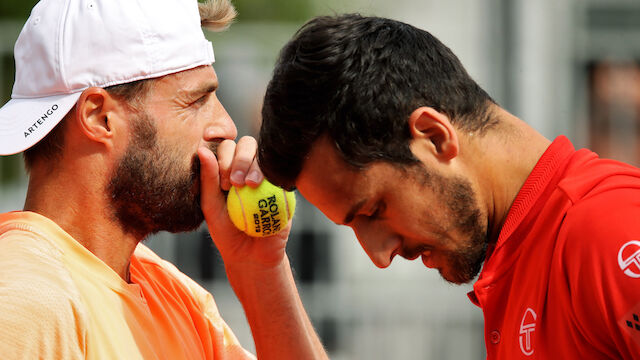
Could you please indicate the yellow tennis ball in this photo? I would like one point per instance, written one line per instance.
(262, 211)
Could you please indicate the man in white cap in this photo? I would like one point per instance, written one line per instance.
(114, 105)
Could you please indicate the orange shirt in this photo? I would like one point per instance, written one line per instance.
(59, 301)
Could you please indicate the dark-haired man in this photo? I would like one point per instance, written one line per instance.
(115, 105)
(378, 124)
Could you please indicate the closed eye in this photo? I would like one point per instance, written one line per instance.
(201, 100)
(378, 211)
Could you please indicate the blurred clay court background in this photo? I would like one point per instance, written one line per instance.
(565, 66)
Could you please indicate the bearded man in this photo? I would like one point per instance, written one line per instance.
(115, 108)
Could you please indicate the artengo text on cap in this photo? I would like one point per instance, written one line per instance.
(41, 120)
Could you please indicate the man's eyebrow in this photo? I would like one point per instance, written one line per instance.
(204, 89)
(352, 213)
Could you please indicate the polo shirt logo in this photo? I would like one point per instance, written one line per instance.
(634, 323)
(630, 323)
(629, 259)
(527, 327)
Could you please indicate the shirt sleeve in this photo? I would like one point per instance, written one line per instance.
(602, 263)
(225, 344)
(39, 315)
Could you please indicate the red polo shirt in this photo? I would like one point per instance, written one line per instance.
(563, 280)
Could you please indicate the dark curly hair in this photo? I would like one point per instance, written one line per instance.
(357, 79)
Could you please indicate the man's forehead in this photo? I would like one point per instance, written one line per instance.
(191, 79)
(324, 161)
(328, 182)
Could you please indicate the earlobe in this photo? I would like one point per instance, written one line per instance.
(432, 132)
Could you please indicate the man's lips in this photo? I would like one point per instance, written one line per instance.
(427, 260)
(412, 255)
(406, 255)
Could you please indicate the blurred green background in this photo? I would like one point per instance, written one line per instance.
(262, 10)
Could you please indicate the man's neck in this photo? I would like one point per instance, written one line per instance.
(502, 159)
(81, 208)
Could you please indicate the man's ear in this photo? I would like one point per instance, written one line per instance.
(98, 115)
(432, 132)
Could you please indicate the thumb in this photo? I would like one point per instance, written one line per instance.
(212, 199)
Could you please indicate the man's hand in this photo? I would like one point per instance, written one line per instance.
(236, 165)
(257, 268)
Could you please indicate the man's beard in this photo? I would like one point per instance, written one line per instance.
(151, 189)
(464, 262)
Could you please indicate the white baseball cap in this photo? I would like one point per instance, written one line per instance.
(67, 46)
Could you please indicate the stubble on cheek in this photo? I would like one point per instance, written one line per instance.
(458, 263)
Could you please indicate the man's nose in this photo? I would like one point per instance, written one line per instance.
(220, 126)
(379, 244)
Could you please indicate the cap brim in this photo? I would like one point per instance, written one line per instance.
(24, 122)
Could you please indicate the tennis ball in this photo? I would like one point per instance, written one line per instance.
(261, 211)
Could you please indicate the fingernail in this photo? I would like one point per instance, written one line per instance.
(253, 177)
(237, 177)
